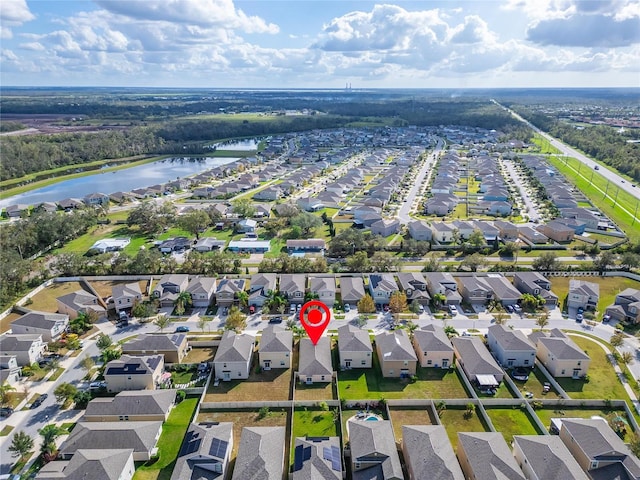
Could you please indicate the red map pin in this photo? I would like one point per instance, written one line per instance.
(315, 317)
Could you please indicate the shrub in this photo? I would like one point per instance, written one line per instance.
(180, 396)
(263, 412)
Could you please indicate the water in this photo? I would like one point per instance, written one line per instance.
(240, 145)
(123, 180)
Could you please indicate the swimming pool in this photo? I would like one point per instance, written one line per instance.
(371, 418)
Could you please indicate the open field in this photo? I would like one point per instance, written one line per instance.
(511, 421)
(268, 385)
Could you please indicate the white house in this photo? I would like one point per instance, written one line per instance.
(233, 358)
(275, 348)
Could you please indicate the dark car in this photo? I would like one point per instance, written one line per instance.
(182, 329)
(521, 374)
(38, 401)
(275, 320)
(6, 411)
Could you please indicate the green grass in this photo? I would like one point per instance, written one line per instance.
(609, 288)
(313, 423)
(183, 377)
(511, 421)
(56, 375)
(456, 419)
(546, 414)
(6, 430)
(173, 432)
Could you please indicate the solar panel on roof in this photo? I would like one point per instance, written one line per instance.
(218, 448)
(191, 444)
(332, 454)
(306, 453)
(297, 458)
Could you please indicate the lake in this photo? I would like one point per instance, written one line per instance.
(123, 180)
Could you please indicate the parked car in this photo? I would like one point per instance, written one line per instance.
(517, 308)
(546, 387)
(580, 310)
(252, 309)
(421, 309)
(292, 308)
(520, 373)
(579, 318)
(275, 320)
(6, 411)
(509, 308)
(182, 329)
(606, 318)
(347, 307)
(38, 401)
(97, 385)
(453, 310)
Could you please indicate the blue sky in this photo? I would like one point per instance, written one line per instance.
(320, 43)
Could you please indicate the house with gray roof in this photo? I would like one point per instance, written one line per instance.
(536, 284)
(209, 244)
(205, 452)
(476, 361)
(560, 355)
(626, 306)
(381, 287)
(486, 455)
(80, 301)
(324, 288)
(317, 458)
(443, 283)
(260, 286)
(395, 354)
(168, 288)
(227, 291)
(275, 347)
(49, 325)
(315, 361)
(511, 347)
(351, 290)
(475, 290)
(583, 294)
(385, 227)
(141, 437)
(134, 373)
(293, 286)
(103, 464)
(27, 348)
(134, 405)
(420, 230)
(442, 232)
(599, 450)
(202, 291)
(545, 457)
(234, 355)
(414, 285)
(503, 289)
(428, 453)
(124, 296)
(373, 451)
(433, 347)
(173, 346)
(260, 454)
(354, 347)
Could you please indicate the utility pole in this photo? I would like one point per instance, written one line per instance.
(635, 214)
(607, 189)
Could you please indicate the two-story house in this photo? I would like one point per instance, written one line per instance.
(351, 290)
(80, 301)
(433, 347)
(125, 296)
(169, 287)
(293, 287)
(559, 354)
(49, 325)
(275, 347)
(511, 347)
(260, 286)
(583, 294)
(227, 291)
(134, 373)
(536, 284)
(626, 307)
(443, 283)
(381, 287)
(475, 290)
(324, 288)
(395, 354)
(27, 348)
(373, 451)
(414, 286)
(234, 355)
(173, 346)
(354, 347)
(202, 291)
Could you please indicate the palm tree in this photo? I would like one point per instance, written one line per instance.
(182, 302)
(275, 300)
(243, 299)
(4, 393)
(48, 448)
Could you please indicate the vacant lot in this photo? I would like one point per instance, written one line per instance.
(409, 416)
(268, 385)
(511, 421)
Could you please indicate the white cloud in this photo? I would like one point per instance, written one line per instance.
(13, 14)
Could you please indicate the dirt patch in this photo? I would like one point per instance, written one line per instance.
(45, 124)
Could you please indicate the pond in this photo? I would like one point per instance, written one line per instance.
(237, 145)
(123, 180)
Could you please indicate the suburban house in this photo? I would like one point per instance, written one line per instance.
(272, 192)
(227, 291)
(536, 284)
(559, 354)
(109, 464)
(109, 245)
(503, 289)
(247, 225)
(583, 294)
(172, 346)
(385, 227)
(433, 347)
(414, 286)
(202, 291)
(169, 287)
(317, 458)
(373, 451)
(420, 230)
(381, 286)
(324, 288)
(443, 283)
(293, 286)
(428, 453)
(234, 355)
(134, 373)
(260, 286)
(557, 231)
(476, 361)
(485, 455)
(209, 244)
(351, 290)
(9, 369)
(176, 244)
(598, 449)
(354, 347)
(315, 361)
(545, 457)
(396, 355)
(626, 307)
(27, 348)
(260, 454)
(508, 231)
(49, 325)
(74, 303)
(133, 405)
(442, 232)
(532, 236)
(125, 296)
(511, 348)
(275, 347)
(249, 246)
(96, 199)
(475, 290)
(141, 437)
(303, 246)
(205, 452)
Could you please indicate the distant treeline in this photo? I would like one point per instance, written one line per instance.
(606, 144)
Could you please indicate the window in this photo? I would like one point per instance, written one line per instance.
(526, 362)
(322, 378)
(562, 372)
(594, 464)
(406, 363)
(579, 363)
(362, 362)
(429, 362)
(282, 363)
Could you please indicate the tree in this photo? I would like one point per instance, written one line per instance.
(605, 260)
(476, 239)
(82, 398)
(384, 262)
(243, 299)
(617, 339)
(500, 318)
(510, 249)
(202, 322)
(634, 444)
(398, 302)
(110, 354)
(64, 392)
(546, 262)
(5, 390)
(630, 260)
(532, 302)
(414, 306)
(194, 222)
(21, 444)
(48, 446)
(366, 304)
(359, 262)
(103, 342)
(236, 320)
(626, 358)
(450, 331)
(162, 322)
(439, 299)
(543, 320)
(181, 303)
(307, 222)
(473, 262)
(83, 322)
(243, 207)
(87, 364)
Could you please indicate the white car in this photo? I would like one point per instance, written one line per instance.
(453, 310)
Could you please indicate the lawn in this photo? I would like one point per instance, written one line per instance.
(173, 432)
(456, 419)
(546, 414)
(45, 300)
(363, 384)
(347, 414)
(5, 323)
(179, 378)
(309, 422)
(105, 287)
(6, 430)
(534, 385)
(409, 416)
(269, 385)
(609, 288)
(603, 381)
(200, 355)
(245, 418)
(84, 242)
(317, 391)
(511, 421)
(503, 392)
